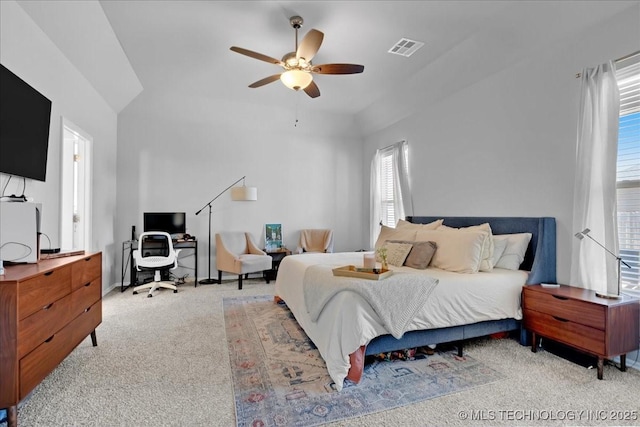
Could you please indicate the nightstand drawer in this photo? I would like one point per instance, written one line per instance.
(565, 331)
(573, 310)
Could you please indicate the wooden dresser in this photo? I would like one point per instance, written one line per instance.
(46, 310)
(577, 317)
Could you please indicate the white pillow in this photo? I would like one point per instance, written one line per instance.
(390, 233)
(514, 251)
(499, 245)
(488, 248)
(430, 226)
(458, 252)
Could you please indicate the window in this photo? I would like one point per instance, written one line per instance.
(628, 171)
(390, 189)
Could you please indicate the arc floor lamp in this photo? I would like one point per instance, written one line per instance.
(238, 194)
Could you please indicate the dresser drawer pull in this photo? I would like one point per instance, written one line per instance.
(48, 306)
(87, 284)
(86, 310)
(88, 259)
(49, 339)
(558, 297)
(560, 319)
(48, 273)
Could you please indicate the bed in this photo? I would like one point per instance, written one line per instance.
(346, 327)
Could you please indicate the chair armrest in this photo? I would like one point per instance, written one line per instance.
(225, 260)
(253, 249)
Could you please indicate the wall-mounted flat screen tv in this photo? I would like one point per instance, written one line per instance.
(25, 116)
(170, 222)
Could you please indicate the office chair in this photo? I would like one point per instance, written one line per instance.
(155, 252)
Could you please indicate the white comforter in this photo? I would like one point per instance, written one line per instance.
(347, 321)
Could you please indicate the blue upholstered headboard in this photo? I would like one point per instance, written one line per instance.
(540, 259)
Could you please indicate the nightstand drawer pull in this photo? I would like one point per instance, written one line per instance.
(560, 319)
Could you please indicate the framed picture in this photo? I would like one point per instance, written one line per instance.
(273, 237)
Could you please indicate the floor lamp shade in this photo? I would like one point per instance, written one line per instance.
(243, 193)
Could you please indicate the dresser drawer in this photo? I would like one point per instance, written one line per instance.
(573, 310)
(85, 296)
(86, 270)
(40, 291)
(87, 322)
(35, 366)
(565, 331)
(35, 329)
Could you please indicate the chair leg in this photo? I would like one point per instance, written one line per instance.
(219, 277)
(239, 281)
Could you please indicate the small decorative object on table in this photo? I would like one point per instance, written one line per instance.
(382, 253)
(273, 237)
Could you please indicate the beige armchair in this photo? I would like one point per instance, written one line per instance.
(316, 240)
(236, 253)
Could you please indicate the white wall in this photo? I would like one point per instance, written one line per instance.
(177, 151)
(505, 146)
(30, 54)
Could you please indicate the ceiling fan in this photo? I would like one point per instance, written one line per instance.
(298, 69)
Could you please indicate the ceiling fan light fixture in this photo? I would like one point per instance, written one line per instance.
(296, 79)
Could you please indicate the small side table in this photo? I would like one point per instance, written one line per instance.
(577, 317)
(277, 257)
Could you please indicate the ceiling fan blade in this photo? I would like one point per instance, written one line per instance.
(337, 69)
(256, 55)
(310, 44)
(265, 81)
(312, 90)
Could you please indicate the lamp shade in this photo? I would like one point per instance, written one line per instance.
(296, 79)
(240, 194)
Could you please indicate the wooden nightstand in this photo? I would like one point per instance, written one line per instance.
(277, 257)
(574, 316)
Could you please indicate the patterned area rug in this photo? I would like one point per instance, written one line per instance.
(280, 379)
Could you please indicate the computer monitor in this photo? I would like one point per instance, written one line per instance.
(173, 223)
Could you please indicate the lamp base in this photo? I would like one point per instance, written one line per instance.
(208, 281)
(608, 296)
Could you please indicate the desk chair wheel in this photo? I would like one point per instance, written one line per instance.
(135, 292)
(149, 295)
(175, 291)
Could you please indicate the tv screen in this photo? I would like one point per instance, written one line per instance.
(171, 222)
(24, 127)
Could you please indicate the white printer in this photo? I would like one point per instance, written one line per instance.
(20, 232)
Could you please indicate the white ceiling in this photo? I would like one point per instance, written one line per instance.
(183, 46)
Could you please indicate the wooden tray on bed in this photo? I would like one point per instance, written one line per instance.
(362, 273)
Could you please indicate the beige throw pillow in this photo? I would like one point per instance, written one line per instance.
(430, 226)
(488, 247)
(390, 233)
(457, 251)
(397, 252)
(420, 255)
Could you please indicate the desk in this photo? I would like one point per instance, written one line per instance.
(131, 245)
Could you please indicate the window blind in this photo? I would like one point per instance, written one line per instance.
(628, 171)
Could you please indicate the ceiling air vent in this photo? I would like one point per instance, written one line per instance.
(405, 47)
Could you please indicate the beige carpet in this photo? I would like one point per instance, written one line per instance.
(164, 361)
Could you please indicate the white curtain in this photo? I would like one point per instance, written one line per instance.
(594, 201)
(402, 198)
